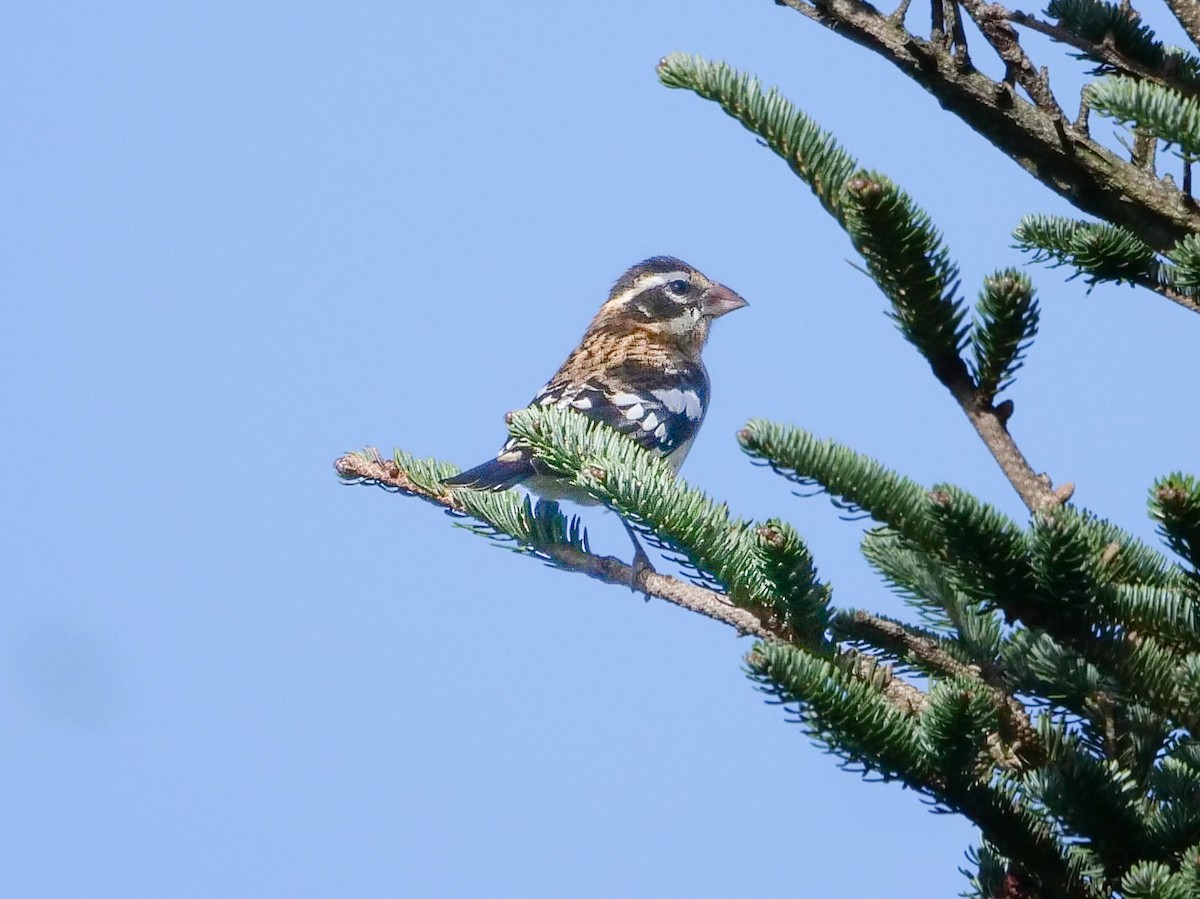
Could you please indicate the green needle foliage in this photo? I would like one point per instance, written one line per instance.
(1098, 251)
(1047, 686)
(906, 258)
(1162, 111)
(1175, 505)
(811, 152)
(1120, 27)
(1006, 321)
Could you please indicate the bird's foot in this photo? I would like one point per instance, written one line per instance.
(641, 562)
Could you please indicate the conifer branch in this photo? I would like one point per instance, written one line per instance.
(1114, 37)
(991, 424)
(1188, 14)
(1163, 111)
(904, 642)
(1064, 158)
(992, 20)
(1175, 505)
(357, 468)
(370, 469)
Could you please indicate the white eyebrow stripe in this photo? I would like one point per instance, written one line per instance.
(658, 280)
(649, 282)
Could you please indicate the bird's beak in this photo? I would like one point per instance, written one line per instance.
(718, 300)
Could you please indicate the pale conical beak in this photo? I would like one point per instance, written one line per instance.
(718, 300)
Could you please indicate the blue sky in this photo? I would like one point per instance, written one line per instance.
(240, 239)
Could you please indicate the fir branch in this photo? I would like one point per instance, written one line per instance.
(987, 553)
(1006, 322)
(1060, 155)
(1048, 867)
(957, 727)
(1096, 799)
(1099, 251)
(992, 21)
(858, 482)
(1169, 614)
(927, 584)
(903, 251)
(422, 479)
(798, 597)
(643, 488)
(927, 652)
(1114, 37)
(1184, 272)
(1110, 253)
(400, 476)
(1163, 111)
(810, 152)
(1175, 505)
(850, 715)
(907, 259)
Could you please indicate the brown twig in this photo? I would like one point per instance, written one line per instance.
(360, 469)
(991, 18)
(1105, 52)
(1017, 745)
(1187, 301)
(991, 424)
(1188, 14)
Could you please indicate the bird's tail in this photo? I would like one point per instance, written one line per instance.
(492, 475)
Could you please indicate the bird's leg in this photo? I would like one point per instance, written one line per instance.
(641, 561)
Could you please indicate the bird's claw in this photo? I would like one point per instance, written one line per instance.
(641, 562)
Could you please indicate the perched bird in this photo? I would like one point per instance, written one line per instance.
(637, 369)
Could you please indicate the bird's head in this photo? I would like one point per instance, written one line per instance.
(669, 299)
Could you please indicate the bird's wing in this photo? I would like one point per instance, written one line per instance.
(659, 408)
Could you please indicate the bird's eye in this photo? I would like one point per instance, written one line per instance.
(679, 288)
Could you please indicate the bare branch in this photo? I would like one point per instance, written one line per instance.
(992, 21)
(1188, 14)
(991, 424)
(1044, 143)
(1187, 301)
(1107, 51)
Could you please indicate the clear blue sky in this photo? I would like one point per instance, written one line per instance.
(242, 238)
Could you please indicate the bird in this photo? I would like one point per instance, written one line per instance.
(637, 369)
